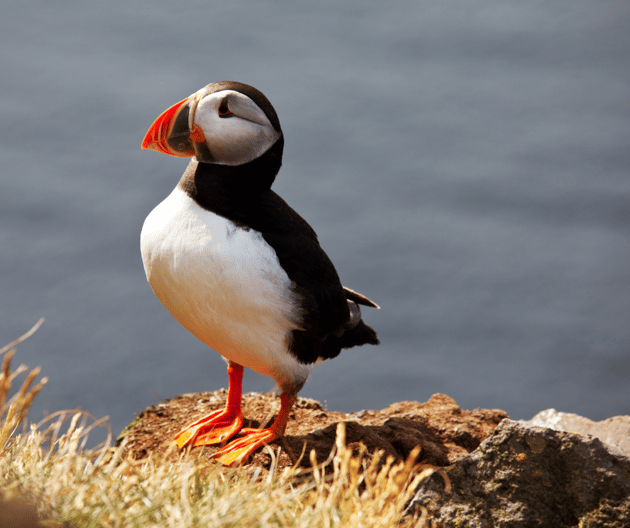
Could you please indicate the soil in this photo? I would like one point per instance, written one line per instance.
(445, 432)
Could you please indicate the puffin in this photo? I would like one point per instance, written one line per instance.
(236, 266)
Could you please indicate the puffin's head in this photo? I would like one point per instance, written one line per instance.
(226, 123)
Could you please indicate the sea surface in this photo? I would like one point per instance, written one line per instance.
(465, 164)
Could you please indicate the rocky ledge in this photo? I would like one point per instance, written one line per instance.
(557, 470)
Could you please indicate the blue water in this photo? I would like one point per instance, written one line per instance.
(466, 165)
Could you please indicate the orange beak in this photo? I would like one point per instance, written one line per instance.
(170, 133)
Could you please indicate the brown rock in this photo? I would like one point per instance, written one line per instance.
(520, 476)
(445, 432)
(17, 510)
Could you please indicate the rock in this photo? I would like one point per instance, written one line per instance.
(443, 430)
(18, 511)
(614, 431)
(528, 476)
(513, 475)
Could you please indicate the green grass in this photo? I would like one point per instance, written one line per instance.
(46, 468)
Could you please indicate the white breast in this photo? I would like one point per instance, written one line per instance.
(223, 284)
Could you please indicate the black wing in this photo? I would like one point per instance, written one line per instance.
(330, 315)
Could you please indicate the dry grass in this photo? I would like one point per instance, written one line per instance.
(48, 466)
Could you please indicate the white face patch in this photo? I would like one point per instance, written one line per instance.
(237, 131)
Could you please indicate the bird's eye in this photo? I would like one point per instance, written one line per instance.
(224, 110)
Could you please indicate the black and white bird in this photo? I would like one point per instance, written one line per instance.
(236, 266)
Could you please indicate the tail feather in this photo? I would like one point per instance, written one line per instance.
(361, 334)
(310, 348)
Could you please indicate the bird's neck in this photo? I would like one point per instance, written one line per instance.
(212, 185)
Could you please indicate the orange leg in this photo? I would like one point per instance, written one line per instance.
(240, 449)
(218, 426)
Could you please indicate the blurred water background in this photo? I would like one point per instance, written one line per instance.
(466, 165)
